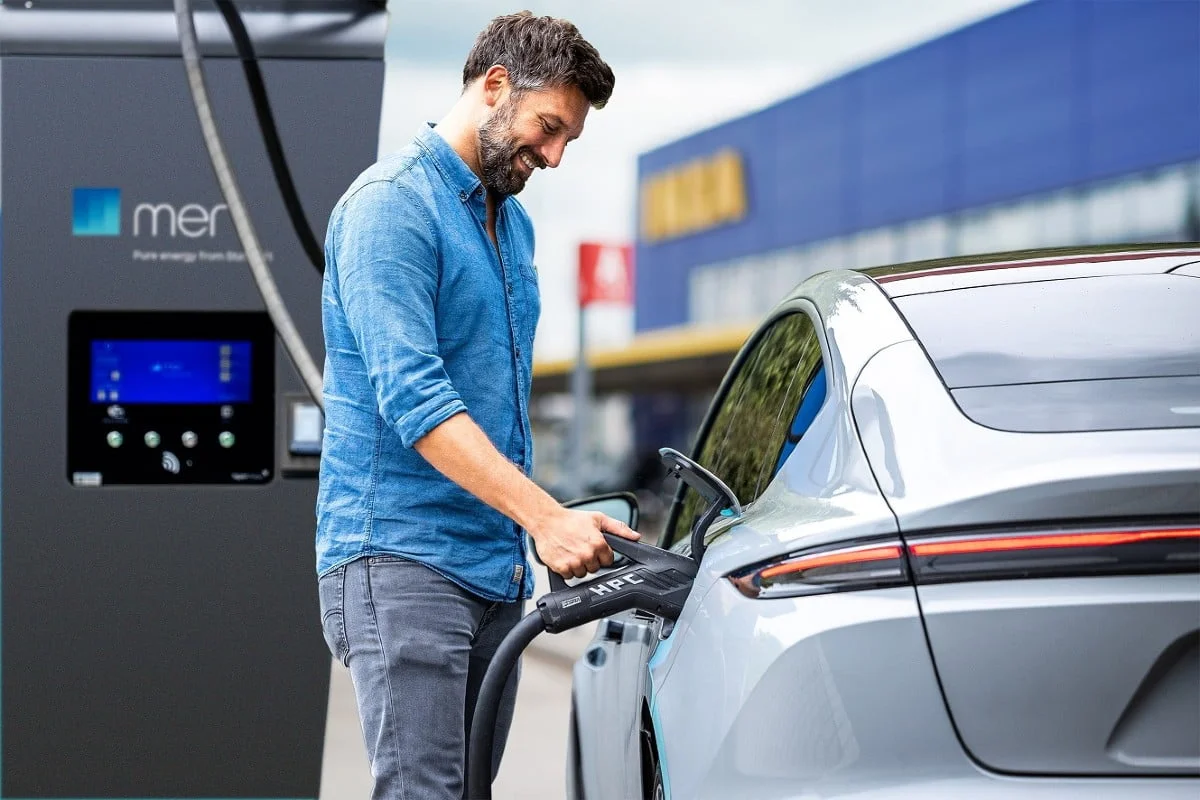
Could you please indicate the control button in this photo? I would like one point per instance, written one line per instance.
(115, 439)
(152, 439)
(226, 412)
(189, 439)
(170, 462)
(226, 439)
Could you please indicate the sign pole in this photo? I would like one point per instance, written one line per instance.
(581, 393)
(605, 276)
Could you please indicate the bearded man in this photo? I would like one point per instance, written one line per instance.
(430, 303)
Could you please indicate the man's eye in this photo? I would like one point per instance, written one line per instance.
(548, 128)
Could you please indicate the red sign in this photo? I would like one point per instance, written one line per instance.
(605, 274)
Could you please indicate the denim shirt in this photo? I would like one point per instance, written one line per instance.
(424, 318)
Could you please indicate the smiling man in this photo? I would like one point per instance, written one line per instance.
(430, 302)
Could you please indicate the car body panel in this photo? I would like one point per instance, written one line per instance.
(780, 694)
(925, 456)
(1036, 685)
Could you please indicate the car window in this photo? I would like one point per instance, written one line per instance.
(1106, 328)
(770, 403)
(810, 403)
(1114, 352)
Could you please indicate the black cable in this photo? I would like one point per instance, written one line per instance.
(270, 134)
(487, 707)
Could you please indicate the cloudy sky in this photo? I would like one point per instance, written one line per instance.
(680, 66)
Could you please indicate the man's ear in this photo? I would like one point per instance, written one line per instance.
(495, 84)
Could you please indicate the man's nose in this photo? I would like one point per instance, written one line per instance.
(552, 152)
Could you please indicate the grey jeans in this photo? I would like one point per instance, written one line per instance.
(417, 645)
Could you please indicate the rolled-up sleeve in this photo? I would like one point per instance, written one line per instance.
(387, 282)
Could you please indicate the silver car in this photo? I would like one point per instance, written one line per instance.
(967, 563)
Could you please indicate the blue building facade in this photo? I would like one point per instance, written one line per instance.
(1056, 122)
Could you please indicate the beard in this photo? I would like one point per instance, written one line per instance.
(498, 150)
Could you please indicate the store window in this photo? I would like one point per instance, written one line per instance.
(927, 238)
(1159, 205)
(1106, 211)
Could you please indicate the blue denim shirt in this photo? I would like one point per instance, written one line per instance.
(424, 319)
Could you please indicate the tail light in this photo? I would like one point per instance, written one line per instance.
(1055, 554)
(867, 567)
(977, 557)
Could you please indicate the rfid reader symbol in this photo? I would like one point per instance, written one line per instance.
(170, 462)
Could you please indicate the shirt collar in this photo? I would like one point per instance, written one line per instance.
(449, 162)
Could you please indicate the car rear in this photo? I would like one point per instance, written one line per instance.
(1039, 443)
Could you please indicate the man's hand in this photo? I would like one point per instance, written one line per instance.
(571, 542)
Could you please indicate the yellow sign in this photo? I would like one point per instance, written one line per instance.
(694, 197)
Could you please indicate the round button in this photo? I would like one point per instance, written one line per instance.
(226, 439)
(189, 439)
(115, 439)
(152, 439)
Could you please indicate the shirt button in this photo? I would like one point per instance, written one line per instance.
(462, 195)
(518, 351)
(510, 289)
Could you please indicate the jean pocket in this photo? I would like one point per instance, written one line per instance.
(333, 621)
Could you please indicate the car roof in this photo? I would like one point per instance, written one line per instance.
(1023, 266)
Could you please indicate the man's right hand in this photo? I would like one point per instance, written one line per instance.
(572, 543)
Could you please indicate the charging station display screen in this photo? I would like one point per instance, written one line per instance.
(170, 371)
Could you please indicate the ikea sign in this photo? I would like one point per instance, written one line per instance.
(693, 197)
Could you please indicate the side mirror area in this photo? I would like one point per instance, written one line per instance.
(621, 506)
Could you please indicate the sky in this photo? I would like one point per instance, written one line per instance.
(680, 67)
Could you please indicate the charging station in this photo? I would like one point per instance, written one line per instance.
(158, 452)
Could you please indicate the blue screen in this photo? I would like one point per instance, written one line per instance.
(170, 371)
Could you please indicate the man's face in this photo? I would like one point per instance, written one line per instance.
(528, 131)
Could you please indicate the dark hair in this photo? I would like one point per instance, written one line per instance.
(540, 52)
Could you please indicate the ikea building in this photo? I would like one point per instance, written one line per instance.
(1058, 122)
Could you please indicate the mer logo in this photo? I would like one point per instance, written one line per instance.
(97, 212)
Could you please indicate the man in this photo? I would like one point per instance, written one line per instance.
(430, 302)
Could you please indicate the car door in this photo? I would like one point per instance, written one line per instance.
(762, 409)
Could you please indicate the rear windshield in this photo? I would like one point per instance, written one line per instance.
(1104, 353)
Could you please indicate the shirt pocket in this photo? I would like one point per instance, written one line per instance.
(527, 270)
